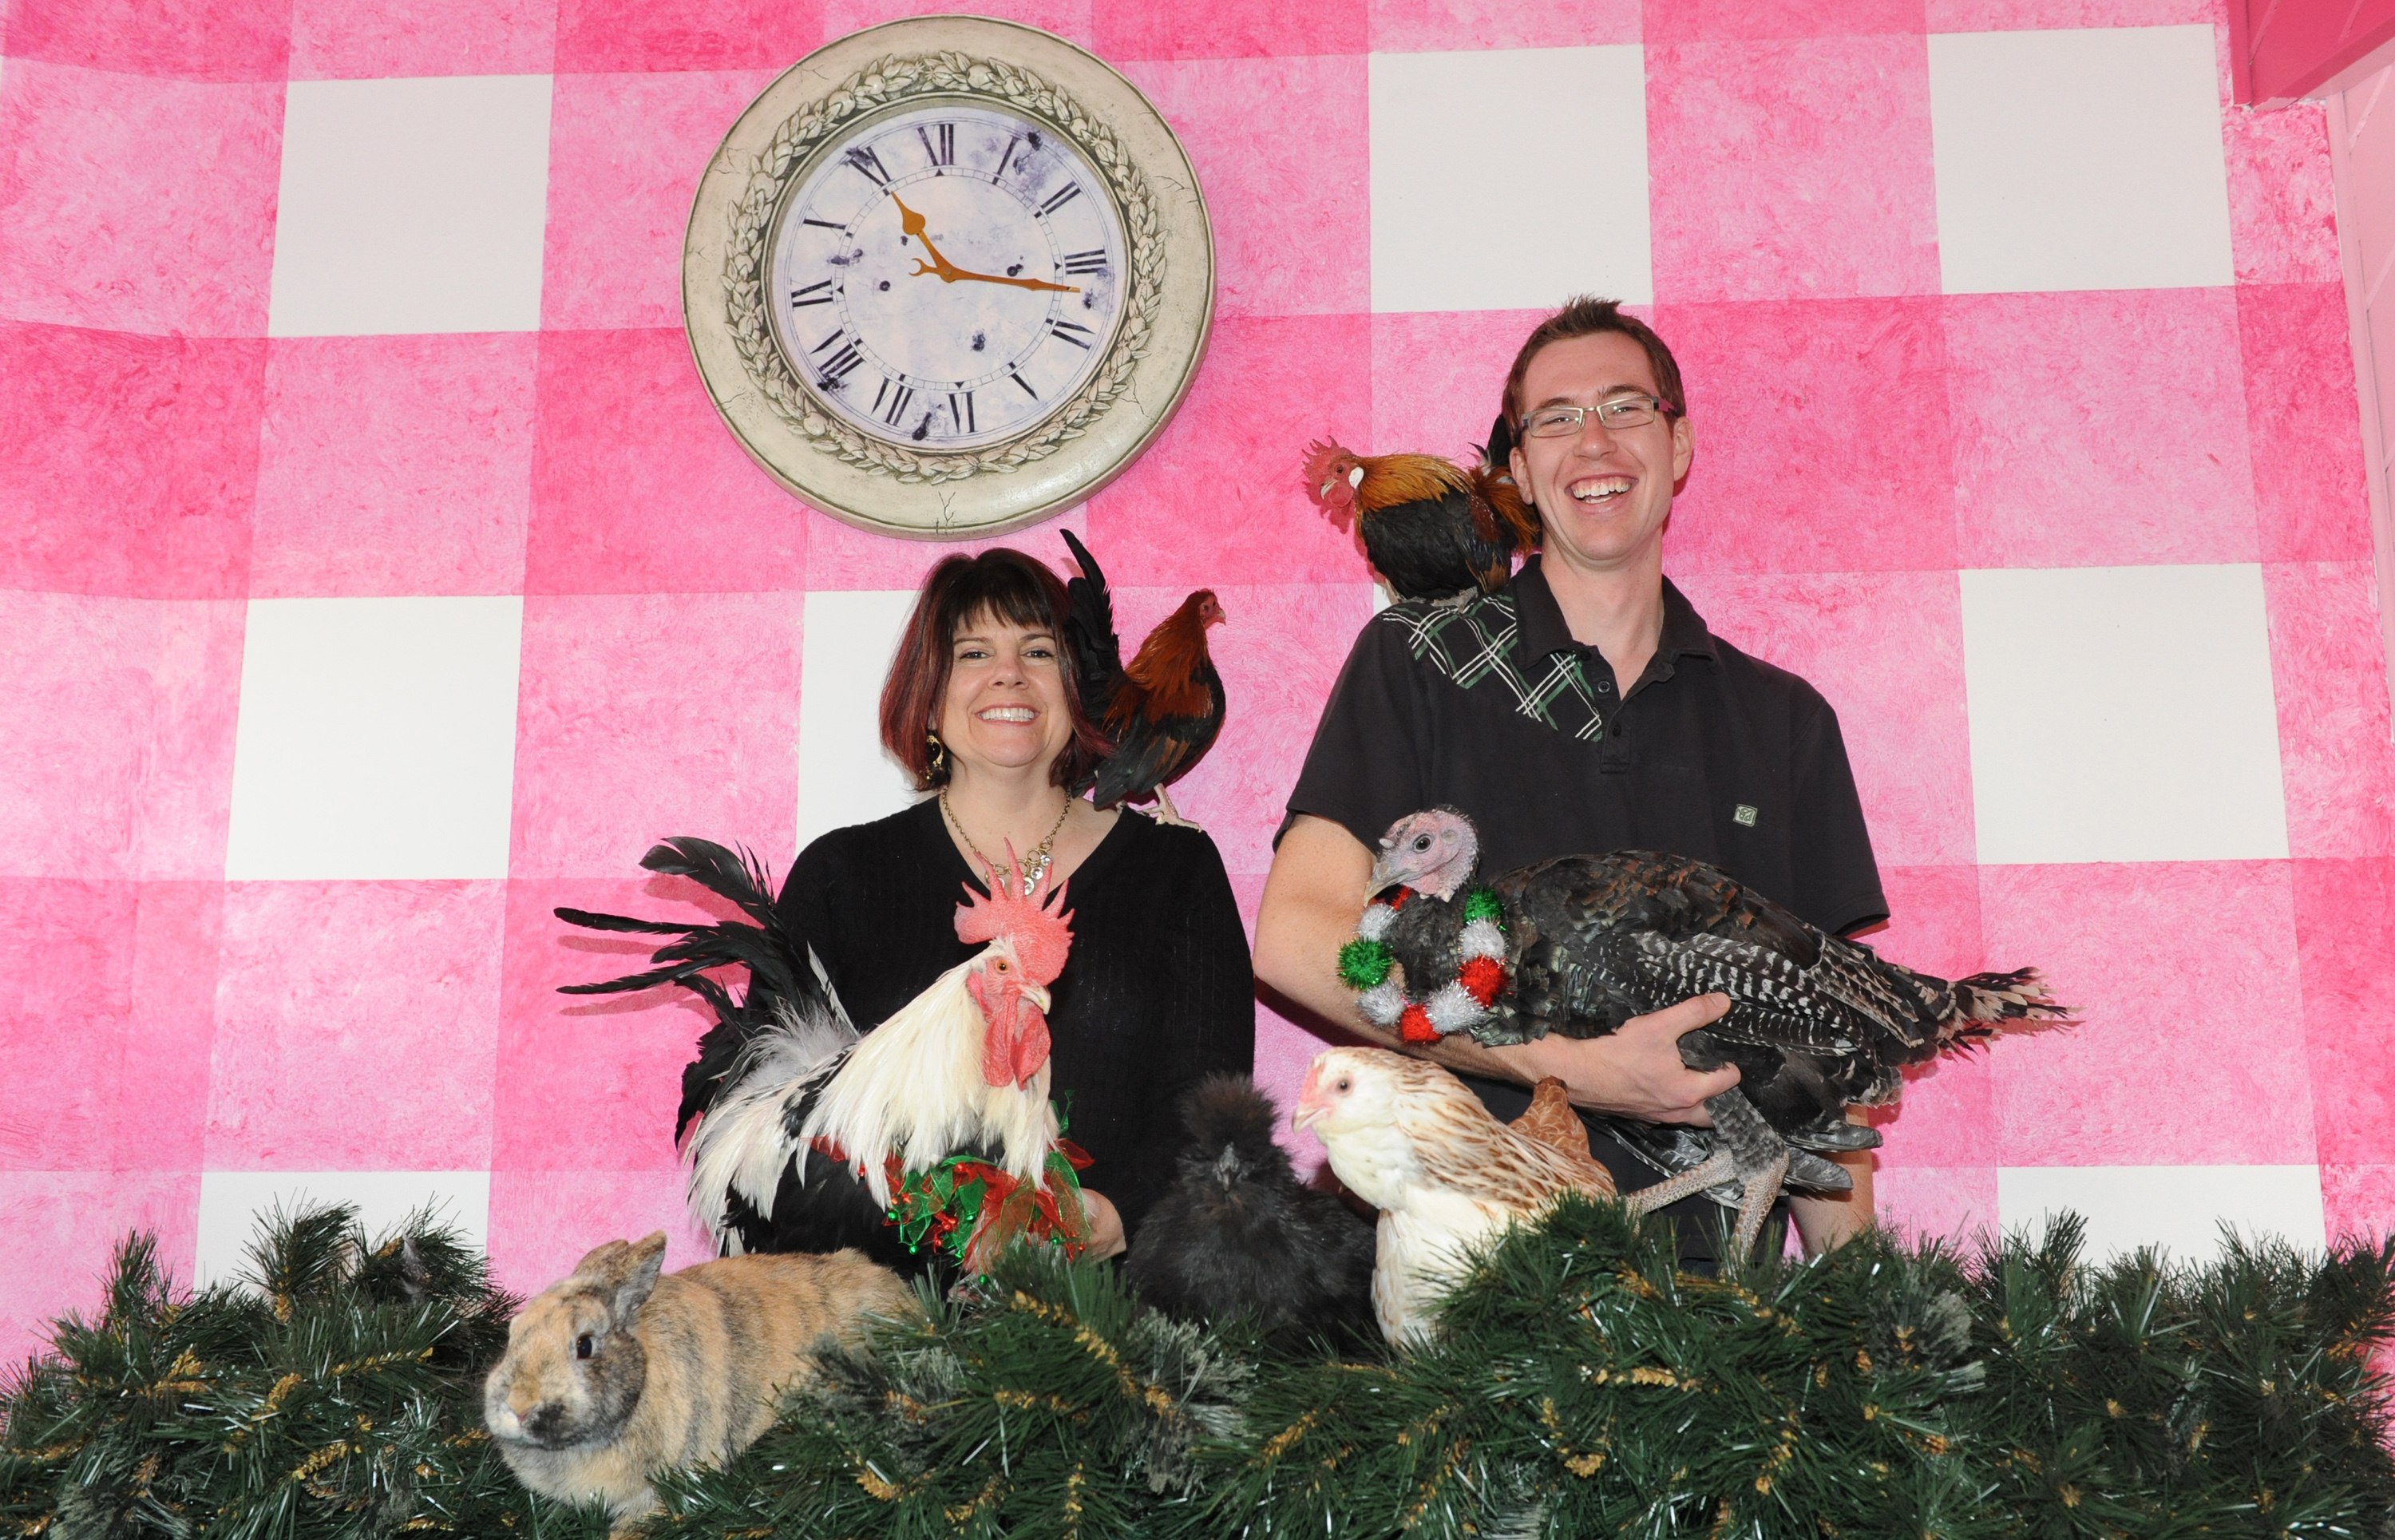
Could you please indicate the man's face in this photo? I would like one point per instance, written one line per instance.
(1602, 493)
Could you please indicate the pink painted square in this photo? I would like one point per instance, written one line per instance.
(184, 39)
(624, 154)
(1824, 442)
(1749, 21)
(136, 203)
(371, 1046)
(131, 461)
(1947, 1116)
(2190, 1048)
(639, 487)
(1067, 18)
(116, 735)
(1955, 1203)
(1220, 494)
(1228, 29)
(63, 1227)
(2345, 914)
(843, 558)
(590, 1083)
(1886, 650)
(544, 1222)
(1287, 1040)
(68, 956)
(2282, 208)
(2328, 675)
(1282, 151)
(2311, 495)
(342, 40)
(642, 716)
(2098, 428)
(1958, 15)
(162, 1103)
(394, 465)
(1793, 168)
(600, 36)
(2358, 1201)
(1438, 380)
(1436, 26)
(105, 1040)
(1280, 648)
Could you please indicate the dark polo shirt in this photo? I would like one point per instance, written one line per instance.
(1492, 707)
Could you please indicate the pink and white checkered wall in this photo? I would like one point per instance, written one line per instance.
(374, 575)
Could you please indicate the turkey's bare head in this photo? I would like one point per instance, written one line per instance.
(1432, 851)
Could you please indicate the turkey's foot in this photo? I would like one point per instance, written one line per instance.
(1720, 1166)
(1761, 1157)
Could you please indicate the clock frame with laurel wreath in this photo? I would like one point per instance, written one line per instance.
(947, 275)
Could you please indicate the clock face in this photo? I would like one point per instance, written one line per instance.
(945, 277)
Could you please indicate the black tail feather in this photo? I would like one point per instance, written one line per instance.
(1090, 631)
(735, 875)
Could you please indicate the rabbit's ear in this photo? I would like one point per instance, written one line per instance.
(637, 1275)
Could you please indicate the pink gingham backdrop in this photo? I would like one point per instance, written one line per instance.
(375, 576)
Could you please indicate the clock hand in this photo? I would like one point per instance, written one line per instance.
(948, 273)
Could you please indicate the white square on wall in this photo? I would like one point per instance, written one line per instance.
(2079, 160)
(2178, 1208)
(847, 642)
(376, 739)
(1509, 178)
(411, 205)
(2122, 715)
(233, 1204)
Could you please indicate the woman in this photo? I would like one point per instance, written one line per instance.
(980, 706)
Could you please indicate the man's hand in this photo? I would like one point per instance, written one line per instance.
(1636, 1071)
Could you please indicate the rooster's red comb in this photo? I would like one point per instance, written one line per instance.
(1037, 926)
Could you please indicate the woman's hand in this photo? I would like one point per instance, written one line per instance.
(1105, 1225)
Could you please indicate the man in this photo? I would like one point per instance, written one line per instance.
(1514, 708)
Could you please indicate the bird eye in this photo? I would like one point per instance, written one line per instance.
(999, 964)
(1343, 1084)
(1422, 842)
(582, 1346)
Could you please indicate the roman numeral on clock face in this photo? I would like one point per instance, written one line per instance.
(813, 294)
(961, 411)
(1025, 384)
(837, 367)
(1058, 200)
(899, 395)
(940, 142)
(1083, 263)
(869, 163)
(1078, 335)
(1002, 160)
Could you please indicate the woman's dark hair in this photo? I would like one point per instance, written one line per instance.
(1012, 588)
(1584, 316)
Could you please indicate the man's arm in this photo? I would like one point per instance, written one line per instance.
(1312, 901)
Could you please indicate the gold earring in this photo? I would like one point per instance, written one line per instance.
(939, 754)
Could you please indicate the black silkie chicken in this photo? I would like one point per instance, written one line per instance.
(1238, 1234)
(1817, 1023)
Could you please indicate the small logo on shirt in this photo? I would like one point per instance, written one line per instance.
(1744, 816)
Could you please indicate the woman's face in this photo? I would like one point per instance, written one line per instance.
(1005, 704)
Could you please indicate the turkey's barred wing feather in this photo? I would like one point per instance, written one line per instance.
(1090, 631)
(1773, 1001)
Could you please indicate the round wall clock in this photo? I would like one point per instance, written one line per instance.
(947, 275)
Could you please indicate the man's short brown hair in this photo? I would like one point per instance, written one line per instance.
(1586, 315)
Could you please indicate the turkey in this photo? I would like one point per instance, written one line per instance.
(930, 1135)
(1580, 944)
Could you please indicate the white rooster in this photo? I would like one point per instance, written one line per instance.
(934, 1131)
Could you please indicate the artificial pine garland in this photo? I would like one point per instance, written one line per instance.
(1581, 1383)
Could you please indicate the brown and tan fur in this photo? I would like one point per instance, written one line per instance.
(683, 1369)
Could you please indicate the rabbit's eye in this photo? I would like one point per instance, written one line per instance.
(582, 1346)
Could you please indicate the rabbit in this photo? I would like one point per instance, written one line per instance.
(616, 1372)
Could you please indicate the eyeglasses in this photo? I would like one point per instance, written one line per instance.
(1613, 412)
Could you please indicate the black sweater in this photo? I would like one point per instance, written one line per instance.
(1156, 993)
